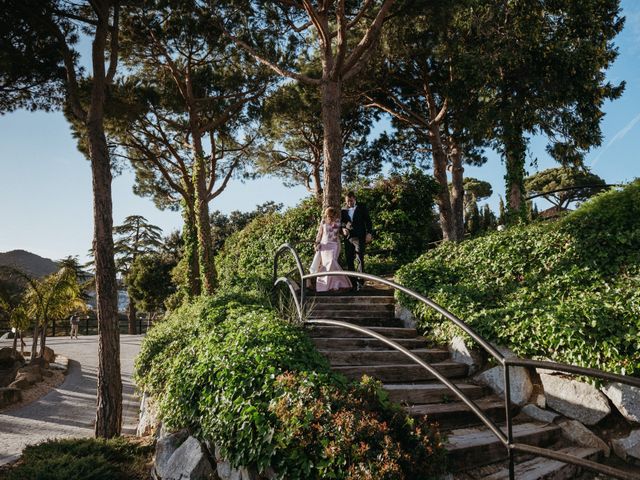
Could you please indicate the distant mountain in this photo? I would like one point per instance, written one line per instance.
(28, 262)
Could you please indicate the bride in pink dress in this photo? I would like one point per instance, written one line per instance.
(327, 252)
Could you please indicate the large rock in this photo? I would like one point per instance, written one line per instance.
(539, 414)
(226, 472)
(49, 355)
(627, 446)
(578, 433)
(460, 353)
(626, 399)
(10, 362)
(573, 399)
(30, 376)
(20, 383)
(6, 355)
(519, 379)
(406, 316)
(166, 446)
(189, 462)
(148, 420)
(9, 395)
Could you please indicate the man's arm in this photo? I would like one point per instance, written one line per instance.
(367, 220)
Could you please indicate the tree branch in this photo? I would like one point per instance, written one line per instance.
(280, 71)
(352, 64)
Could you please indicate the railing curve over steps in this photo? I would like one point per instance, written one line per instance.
(298, 293)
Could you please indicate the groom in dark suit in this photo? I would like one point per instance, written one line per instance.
(358, 232)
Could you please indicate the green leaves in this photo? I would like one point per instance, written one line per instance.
(257, 388)
(568, 290)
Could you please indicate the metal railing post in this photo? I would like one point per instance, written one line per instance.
(507, 406)
(507, 440)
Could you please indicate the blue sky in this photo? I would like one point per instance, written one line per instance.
(45, 183)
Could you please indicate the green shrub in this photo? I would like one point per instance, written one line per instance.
(183, 326)
(256, 387)
(402, 213)
(568, 290)
(83, 459)
(247, 256)
(401, 209)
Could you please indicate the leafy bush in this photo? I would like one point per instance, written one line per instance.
(401, 208)
(83, 459)
(247, 257)
(568, 290)
(257, 387)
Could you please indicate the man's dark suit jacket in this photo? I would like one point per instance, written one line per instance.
(361, 223)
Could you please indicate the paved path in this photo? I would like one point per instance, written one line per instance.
(70, 409)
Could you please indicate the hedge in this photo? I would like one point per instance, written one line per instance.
(566, 290)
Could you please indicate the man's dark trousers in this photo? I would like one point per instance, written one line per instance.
(354, 247)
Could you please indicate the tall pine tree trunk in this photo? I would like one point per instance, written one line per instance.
(190, 253)
(109, 401)
(203, 228)
(515, 150)
(457, 192)
(132, 314)
(332, 145)
(439, 155)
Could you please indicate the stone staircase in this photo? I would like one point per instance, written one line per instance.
(474, 451)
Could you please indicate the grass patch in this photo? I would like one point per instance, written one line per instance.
(84, 459)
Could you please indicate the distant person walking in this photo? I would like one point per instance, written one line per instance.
(75, 324)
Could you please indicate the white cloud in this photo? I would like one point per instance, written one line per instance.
(618, 136)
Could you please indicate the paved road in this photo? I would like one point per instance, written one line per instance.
(69, 410)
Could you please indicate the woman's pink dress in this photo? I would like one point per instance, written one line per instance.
(326, 258)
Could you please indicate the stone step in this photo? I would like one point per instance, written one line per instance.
(402, 373)
(389, 332)
(352, 299)
(378, 321)
(352, 343)
(473, 447)
(458, 414)
(352, 307)
(379, 357)
(348, 316)
(430, 392)
(541, 468)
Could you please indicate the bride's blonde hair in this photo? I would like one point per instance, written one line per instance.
(331, 213)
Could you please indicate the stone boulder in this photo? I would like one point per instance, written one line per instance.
(226, 472)
(9, 395)
(578, 433)
(10, 362)
(577, 400)
(460, 353)
(166, 446)
(626, 399)
(6, 354)
(539, 414)
(148, 420)
(519, 379)
(49, 355)
(406, 316)
(627, 447)
(189, 462)
(21, 383)
(33, 374)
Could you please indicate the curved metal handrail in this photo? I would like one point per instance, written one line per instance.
(502, 360)
(289, 283)
(470, 403)
(286, 247)
(443, 311)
